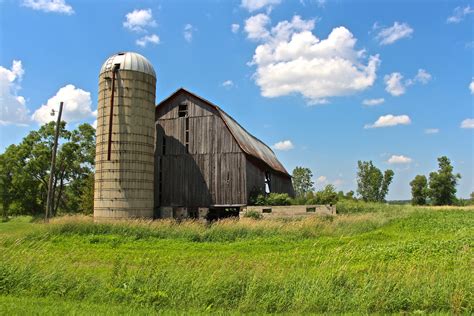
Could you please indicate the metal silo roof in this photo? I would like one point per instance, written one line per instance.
(129, 61)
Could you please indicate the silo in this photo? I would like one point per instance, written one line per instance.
(125, 138)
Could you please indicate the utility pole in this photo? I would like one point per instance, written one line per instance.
(53, 163)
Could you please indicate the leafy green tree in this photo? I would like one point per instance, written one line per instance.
(302, 182)
(442, 184)
(24, 170)
(372, 185)
(327, 195)
(419, 190)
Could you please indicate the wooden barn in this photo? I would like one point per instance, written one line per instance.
(205, 161)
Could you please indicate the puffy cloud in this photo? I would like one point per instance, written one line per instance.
(291, 59)
(256, 26)
(57, 6)
(188, 32)
(373, 102)
(395, 159)
(139, 20)
(228, 84)
(432, 131)
(284, 145)
(459, 14)
(390, 120)
(254, 5)
(321, 180)
(390, 35)
(153, 39)
(394, 84)
(468, 123)
(12, 106)
(471, 86)
(235, 28)
(77, 106)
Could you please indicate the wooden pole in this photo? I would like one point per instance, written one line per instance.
(53, 163)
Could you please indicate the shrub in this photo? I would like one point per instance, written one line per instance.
(253, 214)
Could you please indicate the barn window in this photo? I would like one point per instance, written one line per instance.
(186, 132)
(183, 110)
(268, 186)
(163, 146)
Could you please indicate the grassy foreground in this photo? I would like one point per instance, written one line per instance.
(401, 259)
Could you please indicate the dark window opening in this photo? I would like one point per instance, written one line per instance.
(217, 213)
(268, 184)
(193, 213)
(183, 110)
(311, 209)
(266, 210)
(163, 147)
(186, 132)
(117, 66)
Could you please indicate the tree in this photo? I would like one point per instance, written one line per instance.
(302, 182)
(419, 190)
(372, 185)
(442, 184)
(327, 195)
(24, 170)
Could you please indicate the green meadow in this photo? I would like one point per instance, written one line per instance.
(395, 259)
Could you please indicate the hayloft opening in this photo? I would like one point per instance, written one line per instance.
(183, 110)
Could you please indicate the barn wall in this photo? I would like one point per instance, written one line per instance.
(211, 171)
(256, 179)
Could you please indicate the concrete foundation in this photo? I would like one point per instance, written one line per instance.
(290, 211)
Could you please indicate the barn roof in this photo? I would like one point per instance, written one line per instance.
(249, 144)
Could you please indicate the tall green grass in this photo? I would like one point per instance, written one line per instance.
(411, 260)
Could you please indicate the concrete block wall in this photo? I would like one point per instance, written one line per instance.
(289, 211)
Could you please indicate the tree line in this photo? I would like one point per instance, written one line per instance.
(25, 172)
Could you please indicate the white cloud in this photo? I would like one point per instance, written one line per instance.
(57, 6)
(395, 159)
(390, 35)
(256, 27)
(422, 77)
(394, 84)
(471, 86)
(468, 123)
(153, 38)
(321, 180)
(235, 28)
(432, 131)
(291, 59)
(139, 20)
(77, 106)
(254, 5)
(373, 102)
(188, 32)
(284, 145)
(228, 84)
(12, 106)
(459, 14)
(390, 120)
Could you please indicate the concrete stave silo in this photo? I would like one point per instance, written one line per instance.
(125, 144)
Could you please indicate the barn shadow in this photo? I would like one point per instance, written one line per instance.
(179, 181)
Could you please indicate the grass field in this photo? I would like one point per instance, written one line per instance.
(399, 259)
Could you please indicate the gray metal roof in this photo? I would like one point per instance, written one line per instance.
(129, 61)
(249, 144)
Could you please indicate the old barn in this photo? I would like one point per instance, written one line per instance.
(205, 161)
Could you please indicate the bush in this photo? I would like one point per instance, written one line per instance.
(253, 214)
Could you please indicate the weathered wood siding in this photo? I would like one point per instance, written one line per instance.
(256, 179)
(210, 172)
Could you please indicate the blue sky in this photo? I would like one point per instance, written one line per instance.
(296, 74)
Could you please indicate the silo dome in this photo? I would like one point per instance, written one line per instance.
(129, 61)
